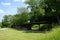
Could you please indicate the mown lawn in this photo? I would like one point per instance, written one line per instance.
(12, 34)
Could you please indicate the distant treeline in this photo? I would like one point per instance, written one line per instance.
(40, 11)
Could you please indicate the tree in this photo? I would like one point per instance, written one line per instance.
(36, 9)
(7, 21)
(55, 5)
(37, 12)
(50, 10)
(22, 17)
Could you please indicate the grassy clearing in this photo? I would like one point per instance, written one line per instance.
(12, 34)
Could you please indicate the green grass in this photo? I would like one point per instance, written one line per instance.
(12, 34)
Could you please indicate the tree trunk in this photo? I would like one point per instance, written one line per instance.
(58, 18)
(29, 27)
(39, 26)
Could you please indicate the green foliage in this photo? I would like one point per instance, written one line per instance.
(7, 21)
(35, 27)
(36, 10)
(0, 24)
(21, 18)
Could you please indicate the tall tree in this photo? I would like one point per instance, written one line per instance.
(55, 5)
(21, 17)
(36, 9)
(7, 21)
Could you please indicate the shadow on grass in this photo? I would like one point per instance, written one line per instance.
(43, 29)
(32, 31)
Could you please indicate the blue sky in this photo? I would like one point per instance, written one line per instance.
(10, 7)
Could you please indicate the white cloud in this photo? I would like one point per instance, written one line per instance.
(1, 11)
(19, 0)
(23, 0)
(26, 5)
(5, 3)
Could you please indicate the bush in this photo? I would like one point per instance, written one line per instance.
(46, 27)
(35, 27)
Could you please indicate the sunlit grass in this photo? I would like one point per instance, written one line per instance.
(12, 34)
